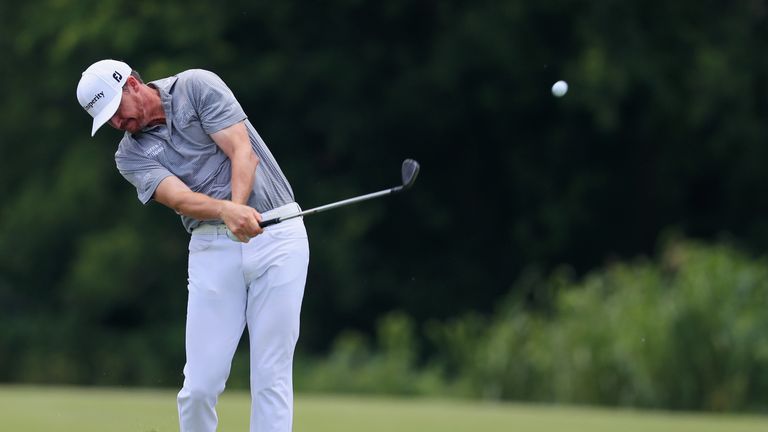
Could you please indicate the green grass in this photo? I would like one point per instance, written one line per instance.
(62, 409)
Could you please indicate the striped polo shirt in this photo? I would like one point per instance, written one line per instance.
(197, 103)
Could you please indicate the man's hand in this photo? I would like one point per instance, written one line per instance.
(242, 221)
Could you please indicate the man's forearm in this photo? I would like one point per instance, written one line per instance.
(243, 173)
(198, 206)
(235, 142)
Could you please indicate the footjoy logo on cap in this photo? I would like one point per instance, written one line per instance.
(117, 76)
(93, 101)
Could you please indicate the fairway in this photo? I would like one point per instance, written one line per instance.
(38, 409)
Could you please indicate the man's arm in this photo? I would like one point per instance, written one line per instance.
(242, 220)
(234, 142)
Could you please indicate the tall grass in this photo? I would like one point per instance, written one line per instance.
(685, 331)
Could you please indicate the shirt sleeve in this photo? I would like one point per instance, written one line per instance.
(143, 173)
(215, 104)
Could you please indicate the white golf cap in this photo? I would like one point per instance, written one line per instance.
(100, 90)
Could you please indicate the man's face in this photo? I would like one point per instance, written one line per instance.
(131, 115)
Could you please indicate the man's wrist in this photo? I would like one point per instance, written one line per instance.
(221, 208)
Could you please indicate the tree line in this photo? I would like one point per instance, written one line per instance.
(662, 129)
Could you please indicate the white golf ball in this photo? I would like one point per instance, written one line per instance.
(560, 88)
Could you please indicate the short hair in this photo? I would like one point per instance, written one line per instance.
(135, 74)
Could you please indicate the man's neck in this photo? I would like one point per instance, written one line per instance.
(157, 114)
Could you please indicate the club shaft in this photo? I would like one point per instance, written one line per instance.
(333, 205)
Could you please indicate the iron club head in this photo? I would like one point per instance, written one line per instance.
(410, 170)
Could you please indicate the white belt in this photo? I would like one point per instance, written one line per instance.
(282, 211)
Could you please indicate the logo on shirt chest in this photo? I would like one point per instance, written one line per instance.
(154, 150)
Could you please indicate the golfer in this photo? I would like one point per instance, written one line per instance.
(189, 145)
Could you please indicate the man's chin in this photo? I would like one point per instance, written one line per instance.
(132, 127)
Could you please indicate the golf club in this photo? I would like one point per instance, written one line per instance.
(409, 171)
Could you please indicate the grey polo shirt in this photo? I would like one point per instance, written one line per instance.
(197, 103)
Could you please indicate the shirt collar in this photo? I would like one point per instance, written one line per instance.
(164, 87)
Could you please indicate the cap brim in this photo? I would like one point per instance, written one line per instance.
(106, 113)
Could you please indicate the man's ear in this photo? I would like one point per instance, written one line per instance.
(132, 83)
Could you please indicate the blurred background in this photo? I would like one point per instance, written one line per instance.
(607, 247)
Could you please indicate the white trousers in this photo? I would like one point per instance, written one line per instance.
(259, 284)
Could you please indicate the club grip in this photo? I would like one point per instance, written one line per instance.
(269, 222)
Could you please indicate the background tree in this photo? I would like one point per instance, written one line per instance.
(662, 129)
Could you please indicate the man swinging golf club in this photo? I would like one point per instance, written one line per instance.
(189, 145)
